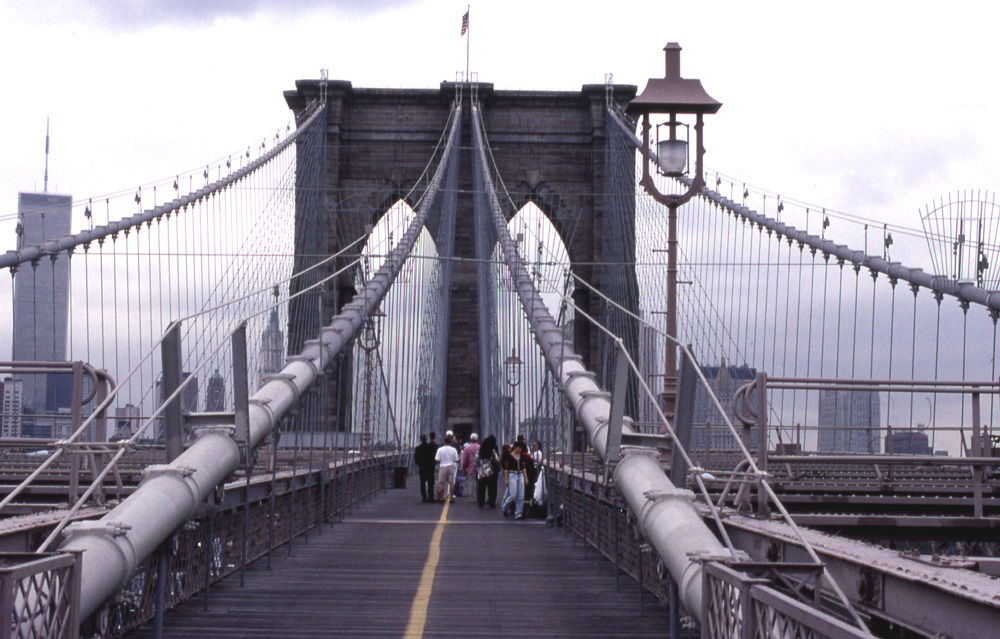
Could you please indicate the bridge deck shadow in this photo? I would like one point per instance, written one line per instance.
(495, 578)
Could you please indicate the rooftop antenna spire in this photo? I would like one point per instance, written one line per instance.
(46, 187)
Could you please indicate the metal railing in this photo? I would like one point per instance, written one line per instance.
(40, 594)
(736, 605)
(211, 546)
(750, 405)
(741, 606)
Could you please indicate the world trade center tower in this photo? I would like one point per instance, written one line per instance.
(41, 291)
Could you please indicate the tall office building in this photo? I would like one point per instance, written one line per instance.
(272, 349)
(849, 422)
(11, 407)
(908, 442)
(215, 394)
(709, 431)
(189, 404)
(127, 421)
(41, 291)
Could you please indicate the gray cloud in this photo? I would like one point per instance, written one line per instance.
(877, 171)
(121, 15)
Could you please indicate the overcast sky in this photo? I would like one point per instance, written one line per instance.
(869, 108)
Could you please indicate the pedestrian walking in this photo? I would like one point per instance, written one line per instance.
(423, 457)
(515, 477)
(487, 472)
(468, 466)
(447, 459)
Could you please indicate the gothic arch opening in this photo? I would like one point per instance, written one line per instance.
(547, 261)
(384, 401)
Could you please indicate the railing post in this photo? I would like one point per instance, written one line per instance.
(749, 620)
(101, 421)
(583, 500)
(76, 586)
(675, 613)
(684, 417)
(161, 589)
(241, 422)
(74, 476)
(170, 355)
(706, 602)
(275, 435)
(241, 393)
(763, 510)
(639, 568)
(617, 546)
(616, 416)
(977, 451)
(7, 602)
(598, 489)
(76, 404)
(209, 547)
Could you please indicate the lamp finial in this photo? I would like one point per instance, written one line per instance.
(673, 51)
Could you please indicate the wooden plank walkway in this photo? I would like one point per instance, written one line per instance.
(494, 578)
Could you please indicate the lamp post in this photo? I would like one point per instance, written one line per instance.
(369, 342)
(672, 96)
(512, 371)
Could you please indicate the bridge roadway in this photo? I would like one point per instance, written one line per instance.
(494, 577)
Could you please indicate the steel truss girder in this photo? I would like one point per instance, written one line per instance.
(929, 600)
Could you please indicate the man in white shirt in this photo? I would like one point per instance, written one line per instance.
(447, 459)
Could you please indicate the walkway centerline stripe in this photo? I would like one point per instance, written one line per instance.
(418, 611)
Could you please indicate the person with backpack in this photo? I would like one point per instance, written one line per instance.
(487, 472)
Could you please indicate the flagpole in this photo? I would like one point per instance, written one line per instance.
(468, 37)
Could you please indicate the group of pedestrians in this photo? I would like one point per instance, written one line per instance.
(428, 456)
(483, 466)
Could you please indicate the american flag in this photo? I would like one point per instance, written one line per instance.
(465, 23)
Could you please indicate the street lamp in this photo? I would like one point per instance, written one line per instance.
(671, 96)
(369, 342)
(512, 371)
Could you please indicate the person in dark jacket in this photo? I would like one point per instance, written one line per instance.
(488, 470)
(423, 457)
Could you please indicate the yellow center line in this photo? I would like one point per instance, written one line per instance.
(418, 611)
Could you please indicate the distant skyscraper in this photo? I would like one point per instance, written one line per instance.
(908, 442)
(215, 394)
(709, 430)
(59, 402)
(41, 291)
(849, 422)
(272, 349)
(11, 407)
(189, 403)
(127, 421)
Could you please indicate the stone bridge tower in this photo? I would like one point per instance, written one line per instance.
(549, 148)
